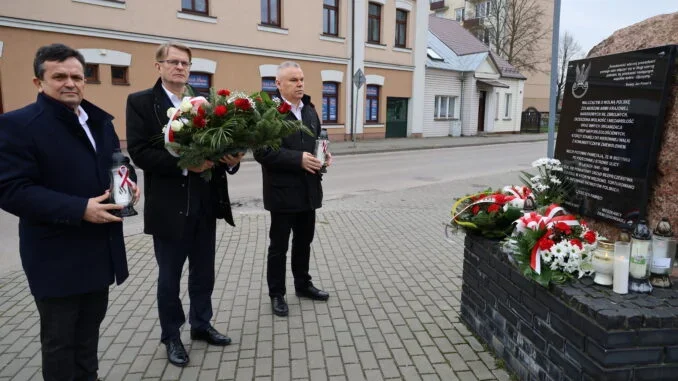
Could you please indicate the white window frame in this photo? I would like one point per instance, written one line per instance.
(507, 106)
(483, 9)
(457, 16)
(450, 103)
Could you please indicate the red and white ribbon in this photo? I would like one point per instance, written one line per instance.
(169, 134)
(123, 172)
(555, 214)
(521, 192)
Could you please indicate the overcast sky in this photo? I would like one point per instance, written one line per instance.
(592, 21)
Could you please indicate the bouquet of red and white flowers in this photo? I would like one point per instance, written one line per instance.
(200, 130)
(490, 213)
(553, 246)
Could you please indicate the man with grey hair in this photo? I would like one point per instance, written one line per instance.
(292, 192)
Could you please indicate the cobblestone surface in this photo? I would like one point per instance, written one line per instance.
(393, 314)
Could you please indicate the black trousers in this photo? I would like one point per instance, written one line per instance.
(196, 244)
(69, 334)
(302, 225)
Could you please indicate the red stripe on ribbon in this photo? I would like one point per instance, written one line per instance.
(124, 174)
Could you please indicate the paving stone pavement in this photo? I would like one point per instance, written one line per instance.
(393, 314)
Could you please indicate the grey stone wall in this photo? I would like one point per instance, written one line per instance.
(572, 332)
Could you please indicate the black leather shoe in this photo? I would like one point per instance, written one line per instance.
(312, 293)
(211, 336)
(279, 306)
(176, 353)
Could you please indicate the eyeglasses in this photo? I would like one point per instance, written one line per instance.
(177, 62)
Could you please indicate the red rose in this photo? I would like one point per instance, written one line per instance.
(563, 227)
(493, 208)
(577, 242)
(224, 92)
(284, 108)
(475, 209)
(220, 110)
(201, 111)
(242, 104)
(590, 237)
(545, 243)
(199, 121)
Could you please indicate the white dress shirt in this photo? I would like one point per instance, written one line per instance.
(176, 102)
(83, 117)
(295, 110)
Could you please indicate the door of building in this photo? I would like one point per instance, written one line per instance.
(481, 111)
(396, 117)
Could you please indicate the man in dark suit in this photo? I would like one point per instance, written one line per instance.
(292, 193)
(181, 208)
(55, 158)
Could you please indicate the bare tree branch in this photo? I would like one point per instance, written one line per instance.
(568, 50)
(517, 32)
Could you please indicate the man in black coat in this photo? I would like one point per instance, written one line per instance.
(55, 158)
(181, 208)
(292, 193)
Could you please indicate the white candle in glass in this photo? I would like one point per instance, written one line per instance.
(622, 251)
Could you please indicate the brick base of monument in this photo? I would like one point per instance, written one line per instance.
(571, 332)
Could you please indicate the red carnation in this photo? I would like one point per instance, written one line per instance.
(201, 111)
(499, 199)
(563, 227)
(475, 209)
(220, 110)
(199, 121)
(577, 242)
(284, 108)
(590, 237)
(242, 104)
(545, 243)
(224, 92)
(493, 208)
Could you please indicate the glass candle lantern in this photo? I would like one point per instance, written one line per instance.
(603, 261)
(662, 258)
(641, 258)
(121, 185)
(620, 276)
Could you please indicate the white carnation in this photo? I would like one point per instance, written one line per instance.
(176, 125)
(186, 105)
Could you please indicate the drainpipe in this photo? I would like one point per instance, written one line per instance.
(461, 101)
(352, 68)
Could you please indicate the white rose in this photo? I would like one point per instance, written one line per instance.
(186, 106)
(170, 111)
(176, 125)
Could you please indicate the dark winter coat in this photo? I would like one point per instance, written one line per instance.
(169, 196)
(287, 187)
(48, 171)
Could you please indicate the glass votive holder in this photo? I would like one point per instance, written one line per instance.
(602, 261)
(620, 276)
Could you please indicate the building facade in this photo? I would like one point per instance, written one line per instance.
(471, 14)
(469, 90)
(236, 45)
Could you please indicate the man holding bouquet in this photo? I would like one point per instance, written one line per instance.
(181, 208)
(292, 192)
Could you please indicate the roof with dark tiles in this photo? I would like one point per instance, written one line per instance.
(462, 42)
